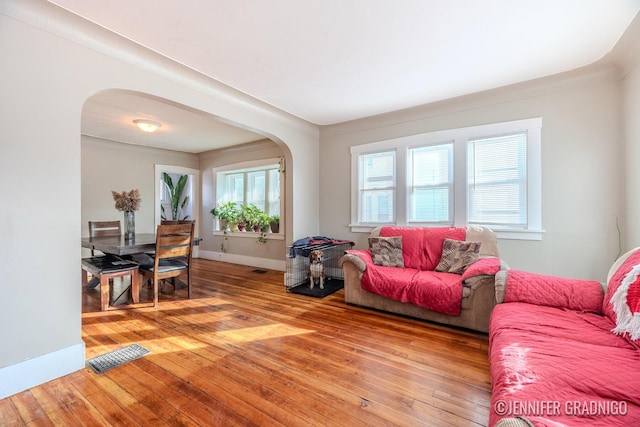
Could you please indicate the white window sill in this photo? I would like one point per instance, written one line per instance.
(249, 234)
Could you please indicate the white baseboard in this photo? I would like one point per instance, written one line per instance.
(271, 264)
(39, 370)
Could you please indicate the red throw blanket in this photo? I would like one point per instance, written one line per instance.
(422, 247)
(552, 291)
(561, 367)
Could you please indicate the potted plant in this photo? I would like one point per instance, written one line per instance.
(263, 221)
(227, 214)
(263, 226)
(250, 216)
(178, 202)
(274, 221)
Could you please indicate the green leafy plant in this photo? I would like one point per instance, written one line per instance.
(239, 217)
(274, 221)
(228, 214)
(250, 216)
(177, 199)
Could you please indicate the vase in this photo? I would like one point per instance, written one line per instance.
(129, 225)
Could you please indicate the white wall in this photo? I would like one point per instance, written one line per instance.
(582, 175)
(631, 123)
(108, 165)
(52, 61)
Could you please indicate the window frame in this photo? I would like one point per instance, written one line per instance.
(460, 137)
(245, 168)
(363, 189)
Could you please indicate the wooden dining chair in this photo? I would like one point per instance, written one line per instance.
(104, 229)
(174, 245)
(105, 268)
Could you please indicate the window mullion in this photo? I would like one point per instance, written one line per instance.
(459, 181)
(402, 186)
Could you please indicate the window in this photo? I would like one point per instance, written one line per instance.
(377, 187)
(497, 181)
(250, 182)
(430, 175)
(484, 175)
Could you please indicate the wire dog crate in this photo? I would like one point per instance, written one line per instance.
(297, 268)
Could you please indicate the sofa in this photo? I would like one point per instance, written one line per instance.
(398, 274)
(566, 352)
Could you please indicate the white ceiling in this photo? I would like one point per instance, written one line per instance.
(109, 115)
(329, 61)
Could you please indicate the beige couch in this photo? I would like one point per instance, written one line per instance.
(478, 292)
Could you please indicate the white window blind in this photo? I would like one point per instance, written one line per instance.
(431, 184)
(497, 181)
(234, 188)
(377, 187)
(256, 188)
(486, 175)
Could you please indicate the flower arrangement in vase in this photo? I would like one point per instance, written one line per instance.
(128, 202)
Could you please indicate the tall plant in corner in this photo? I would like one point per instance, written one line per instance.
(176, 197)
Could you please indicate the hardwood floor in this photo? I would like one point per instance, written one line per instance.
(245, 352)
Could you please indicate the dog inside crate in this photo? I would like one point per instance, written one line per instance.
(313, 269)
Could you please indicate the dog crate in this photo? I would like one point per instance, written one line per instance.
(297, 268)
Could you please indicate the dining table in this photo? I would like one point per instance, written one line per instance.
(119, 245)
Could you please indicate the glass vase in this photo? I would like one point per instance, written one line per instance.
(129, 225)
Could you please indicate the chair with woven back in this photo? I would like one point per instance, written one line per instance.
(174, 245)
(105, 268)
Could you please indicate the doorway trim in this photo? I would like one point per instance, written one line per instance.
(195, 173)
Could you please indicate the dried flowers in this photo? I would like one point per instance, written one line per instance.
(127, 201)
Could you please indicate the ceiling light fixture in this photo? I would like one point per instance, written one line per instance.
(147, 125)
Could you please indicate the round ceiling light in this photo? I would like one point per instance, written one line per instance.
(147, 125)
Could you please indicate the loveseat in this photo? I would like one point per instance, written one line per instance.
(566, 352)
(397, 274)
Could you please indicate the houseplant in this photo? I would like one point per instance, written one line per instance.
(274, 221)
(178, 202)
(250, 216)
(263, 226)
(227, 214)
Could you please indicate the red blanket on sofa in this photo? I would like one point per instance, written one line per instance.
(441, 292)
(561, 367)
(417, 283)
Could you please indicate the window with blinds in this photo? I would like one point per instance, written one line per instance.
(497, 181)
(377, 187)
(484, 175)
(431, 184)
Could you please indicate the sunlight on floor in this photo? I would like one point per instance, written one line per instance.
(277, 330)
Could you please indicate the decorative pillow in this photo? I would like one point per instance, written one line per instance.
(457, 256)
(387, 251)
(626, 304)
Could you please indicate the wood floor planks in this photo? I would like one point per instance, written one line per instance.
(245, 352)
